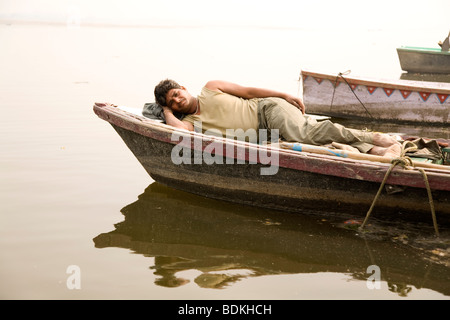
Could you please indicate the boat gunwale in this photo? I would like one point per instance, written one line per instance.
(410, 85)
(422, 50)
(301, 161)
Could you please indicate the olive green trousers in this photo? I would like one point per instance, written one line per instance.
(293, 126)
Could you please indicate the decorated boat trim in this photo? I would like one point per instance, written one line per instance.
(389, 88)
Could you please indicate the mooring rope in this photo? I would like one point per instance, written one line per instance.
(406, 163)
(341, 74)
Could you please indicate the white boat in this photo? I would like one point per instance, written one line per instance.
(397, 101)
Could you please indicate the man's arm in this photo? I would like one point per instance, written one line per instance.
(251, 92)
(175, 122)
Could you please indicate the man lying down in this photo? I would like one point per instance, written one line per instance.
(223, 105)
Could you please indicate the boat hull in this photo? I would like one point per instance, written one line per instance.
(301, 182)
(399, 101)
(288, 190)
(423, 60)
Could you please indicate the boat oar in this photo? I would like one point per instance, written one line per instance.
(301, 147)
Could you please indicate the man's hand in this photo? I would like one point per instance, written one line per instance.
(295, 101)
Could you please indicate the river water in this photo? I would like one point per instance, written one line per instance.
(81, 219)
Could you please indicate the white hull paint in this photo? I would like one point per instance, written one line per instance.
(393, 101)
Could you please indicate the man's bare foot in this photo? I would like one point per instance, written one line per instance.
(377, 151)
(345, 147)
(383, 140)
(392, 151)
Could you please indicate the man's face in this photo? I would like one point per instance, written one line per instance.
(179, 100)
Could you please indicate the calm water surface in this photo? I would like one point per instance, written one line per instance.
(73, 194)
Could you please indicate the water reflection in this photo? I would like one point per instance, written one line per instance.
(225, 243)
(428, 77)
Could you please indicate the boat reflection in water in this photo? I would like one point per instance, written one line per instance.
(228, 242)
(428, 77)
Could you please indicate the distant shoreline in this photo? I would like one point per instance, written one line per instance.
(5, 21)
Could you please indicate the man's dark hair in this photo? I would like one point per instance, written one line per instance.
(162, 88)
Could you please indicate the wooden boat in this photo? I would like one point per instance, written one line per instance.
(302, 180)
(396, 101)
(424, 60)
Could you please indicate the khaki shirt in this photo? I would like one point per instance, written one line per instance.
(222, 111)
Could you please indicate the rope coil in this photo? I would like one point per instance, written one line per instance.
(406, 163)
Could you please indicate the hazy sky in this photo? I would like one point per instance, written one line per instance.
(377, 14)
